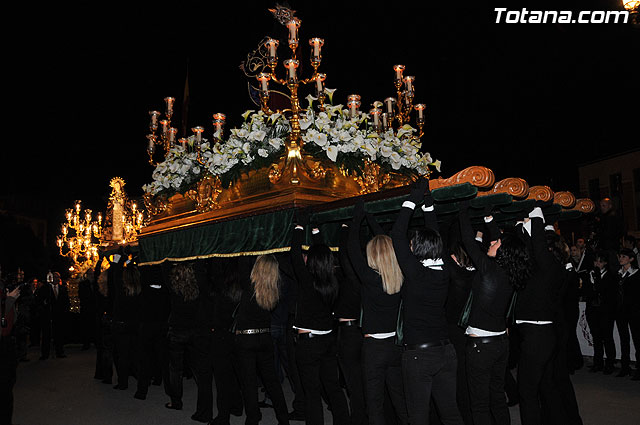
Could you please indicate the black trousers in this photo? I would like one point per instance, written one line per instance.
(537, 345)
(52, 329)
(382, 371)
(486, 365)
(459, 341)
(255, 357)
(317, 361)
(104, 348)
(431, 373)
(601, 326)
(125, 338)
(194, 345)
(153, 355)
(225, 365)
(8, 366)
(298, 404)
(628, 321)
(349, 358)
(559, 404)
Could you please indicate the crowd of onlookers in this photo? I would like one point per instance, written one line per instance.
(418, 327)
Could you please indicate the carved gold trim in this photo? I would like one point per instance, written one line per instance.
(564, 199)
(541, 193)
(477, 175)
(206, 194)
(585, 205)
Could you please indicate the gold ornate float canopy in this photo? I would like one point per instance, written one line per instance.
(263, 224)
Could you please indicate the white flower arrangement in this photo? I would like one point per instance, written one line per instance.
(254, 145)
(349, 141)
(330, 134)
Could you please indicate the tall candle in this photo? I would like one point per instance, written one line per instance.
(399, 69)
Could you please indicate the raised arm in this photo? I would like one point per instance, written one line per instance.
(467, 236)
(428, 210)
(343, 256)
(375, 228)
(539, 248)
(408, 262)
(358, 261)
(299, 267)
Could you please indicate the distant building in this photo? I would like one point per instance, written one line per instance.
(616, 177)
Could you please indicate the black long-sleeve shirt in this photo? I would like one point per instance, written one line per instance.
(379, 309)
(538, 300)
(312, 312)
(348, 304)
(491, 288)
(424, 290)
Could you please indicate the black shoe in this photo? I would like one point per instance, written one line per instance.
(511, 403)
(199, 419)
(264, 405)
(170, 405)
(594, 369)
(219, 421)
(106, 381)
(623, 372)
(237, 411)
(140, 396)
(296, 416)
(120, 387)
(157, 382)
(608, 370)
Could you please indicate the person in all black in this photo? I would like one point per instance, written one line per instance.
(350, 339)
(253, 345)
(35, 331)
(535, 312)
(23, 306)
(500, 270)
(562, 407)
(316, 352)
(153, 355)
(54, 304)
(461, 271)
(8, 355)
(190, 337)
(126, 319)
(381, 279)
(103, 323)
(227, 294)
(87, 309)
(628, 311)
(429, 359)
(601, 292)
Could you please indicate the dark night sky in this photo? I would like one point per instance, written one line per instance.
(529, 101)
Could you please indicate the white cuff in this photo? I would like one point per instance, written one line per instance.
(428, 209)
(527, 227)
(299, 227)
(315, 231)
(345, 225)
(488, 219)
(549, 227)
(537, 212)
(409, 204)
(479, 238)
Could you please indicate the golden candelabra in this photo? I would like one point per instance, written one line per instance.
(80, 237)
(167, 133)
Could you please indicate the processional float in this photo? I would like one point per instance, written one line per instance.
(234, 192)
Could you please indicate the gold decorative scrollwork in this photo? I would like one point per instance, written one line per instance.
(565, 199)
(371, 180)
(476, 175)
(514, 186)
(155, 205)
(541, 193)
(206, 194)
(585, 205)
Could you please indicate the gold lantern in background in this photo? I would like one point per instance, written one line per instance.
(80, 238)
